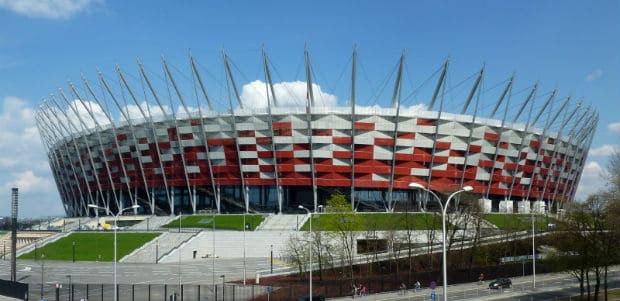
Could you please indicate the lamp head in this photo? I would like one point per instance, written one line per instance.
(468, 188)
(416, 186)
(135, 206)
(301, 207)
(93, 206)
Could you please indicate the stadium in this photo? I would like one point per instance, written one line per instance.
(159, 141)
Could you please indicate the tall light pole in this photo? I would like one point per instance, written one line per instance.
(213, 252)
(533, 247)
(223, 284)
(533, 251)
(42, 272)
(70, 297)
(244, 268)
(180, 221)
(444, 208)
(310, 240)
(115, 230)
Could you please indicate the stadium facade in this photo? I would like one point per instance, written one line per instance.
(273, 159)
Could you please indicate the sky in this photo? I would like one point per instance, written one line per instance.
(573, 46)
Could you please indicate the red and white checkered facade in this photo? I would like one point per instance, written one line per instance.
(281, 157)
(502, 161)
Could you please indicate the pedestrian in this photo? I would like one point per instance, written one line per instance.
(403, 288)
(433, 285)
(417, 286)
(363, 291)
(481, 278)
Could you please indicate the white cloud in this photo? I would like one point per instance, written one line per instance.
(288, 94)
(84, 110)
(614, 127)
(604, 150)
(594, 75)
(155, 111)
(76, 117)
(48, 9)
(28, 182)
(592, 180)
(23, 161)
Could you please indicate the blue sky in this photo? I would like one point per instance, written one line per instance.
(571, 45)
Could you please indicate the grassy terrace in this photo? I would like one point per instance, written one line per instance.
(374, 221)
(222, 222)
(91, 246)
(519, 222)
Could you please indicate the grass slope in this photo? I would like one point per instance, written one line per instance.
(91, 246)
(518, 222)
(223, 222)
(374, 221)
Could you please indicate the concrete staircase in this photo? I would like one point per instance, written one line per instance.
(280, 222)
(467, 221)
(229, 244)
(152, 223)
(26, 241)
(159, 247)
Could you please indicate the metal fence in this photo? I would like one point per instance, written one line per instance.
(145, 292)
(14, 289)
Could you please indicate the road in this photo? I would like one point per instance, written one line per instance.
(548, 287)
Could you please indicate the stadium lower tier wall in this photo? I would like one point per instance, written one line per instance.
(263, 199)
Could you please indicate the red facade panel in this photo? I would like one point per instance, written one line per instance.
(342, 140)
(365, 126)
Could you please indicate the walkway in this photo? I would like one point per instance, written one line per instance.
(546, 284)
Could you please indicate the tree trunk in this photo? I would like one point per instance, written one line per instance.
(588, 284)
(597, 285)
(605, 282)
(581, 287)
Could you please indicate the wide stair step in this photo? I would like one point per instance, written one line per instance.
(279, 222)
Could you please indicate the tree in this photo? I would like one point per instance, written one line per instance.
(573, 248)
(346, 222)
(295, 249)
(589, 242)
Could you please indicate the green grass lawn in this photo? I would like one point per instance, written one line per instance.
(519, 222)
(226, 222)
(613, 294)
(374, 221)
(91, 246)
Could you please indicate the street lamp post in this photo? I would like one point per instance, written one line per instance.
(42, 272)
(213, 249)
(115, 230)
(271, 259)
(223, 283)
(533, 218)
(310, 264)
(244, 264)
(444, 209)
(73, 246)
(180, 221)
(70, 297)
